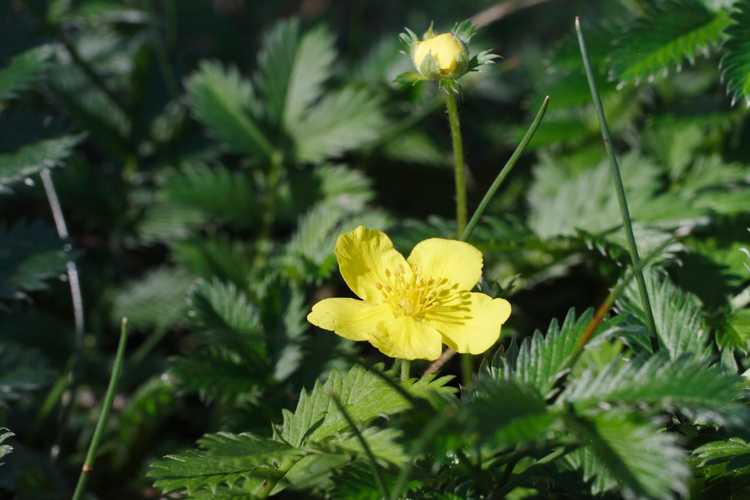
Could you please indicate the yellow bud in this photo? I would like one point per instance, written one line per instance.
(448, 52)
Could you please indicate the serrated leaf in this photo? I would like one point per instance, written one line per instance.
(685, 384)
(668, 33)
(156, 300)
(220, 375)
(541, 360)
(342, 121)
(507, 413)
(216, 192)
(221, 100)
(22, 72)
(275, 65)
(32, 158)
(232, 461)
(30, 255)
(224, 307)
(735, 62)
(21, 370)
(633, 456)
(313, 64)
(679, 318)
(729, 458)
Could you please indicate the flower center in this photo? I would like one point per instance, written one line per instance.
(424, 298)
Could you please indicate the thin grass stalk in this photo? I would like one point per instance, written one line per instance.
(617, 178)
(506, 170)
(88, 464)
(365, 446)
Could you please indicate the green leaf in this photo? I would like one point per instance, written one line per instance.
(685, 384)
(342, 121)
(730, 458)
(633, 456)
(33, 158)
(218, 374)
(224, 462)
(21, 370)
(222, 100)
(23, 71)
(275, 66)
(222, 307)
(31, 253)
(313, 64)
(507, 413)
(5, 449)
(156, 300)
(216, 192)
(735, 63)
(541, 360)
(668, 33)
(678, 315)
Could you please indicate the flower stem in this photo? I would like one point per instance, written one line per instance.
(88, 464)
(405, 369)
(617, 177)
(459, 171)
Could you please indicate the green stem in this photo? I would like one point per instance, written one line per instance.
(506, 170)
(365, 447)
(405, 369)
(617, 177)
(88, 464)
(459, 170)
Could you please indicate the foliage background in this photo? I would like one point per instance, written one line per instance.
(207, 153)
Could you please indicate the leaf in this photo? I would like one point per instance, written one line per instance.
(541, 360)
(218, 374)
(313, 64)
(507, 413)
(668, 33)
(21, 370)
(735, 62)
(224, 461)
(342, 121)
(5, 449)
(23, 71)
(33, 158)
(678, 315)
(685, 384)
(624, 453)
(276, 61)
(217, 192)
(221, 100)
(31, 254)
(729, 458)
(156, 300)
(223, 307)
(364, 395)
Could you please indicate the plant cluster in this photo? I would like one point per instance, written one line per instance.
(224, 175)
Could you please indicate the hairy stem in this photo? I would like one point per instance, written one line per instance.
(617, 178)
(405, 369)
(88, 464)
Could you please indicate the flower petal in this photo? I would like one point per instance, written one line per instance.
(366, 258)
(479, 329)
(455, 260)
(406, 338)
(351, 318)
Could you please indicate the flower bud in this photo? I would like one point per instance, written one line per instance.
(441, 56)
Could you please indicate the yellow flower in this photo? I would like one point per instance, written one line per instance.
(448, 53)
(410, 307)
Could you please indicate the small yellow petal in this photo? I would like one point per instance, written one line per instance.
(368, 262)
(474, 330)
(455, 260)
(351, 318)
(406, 338)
